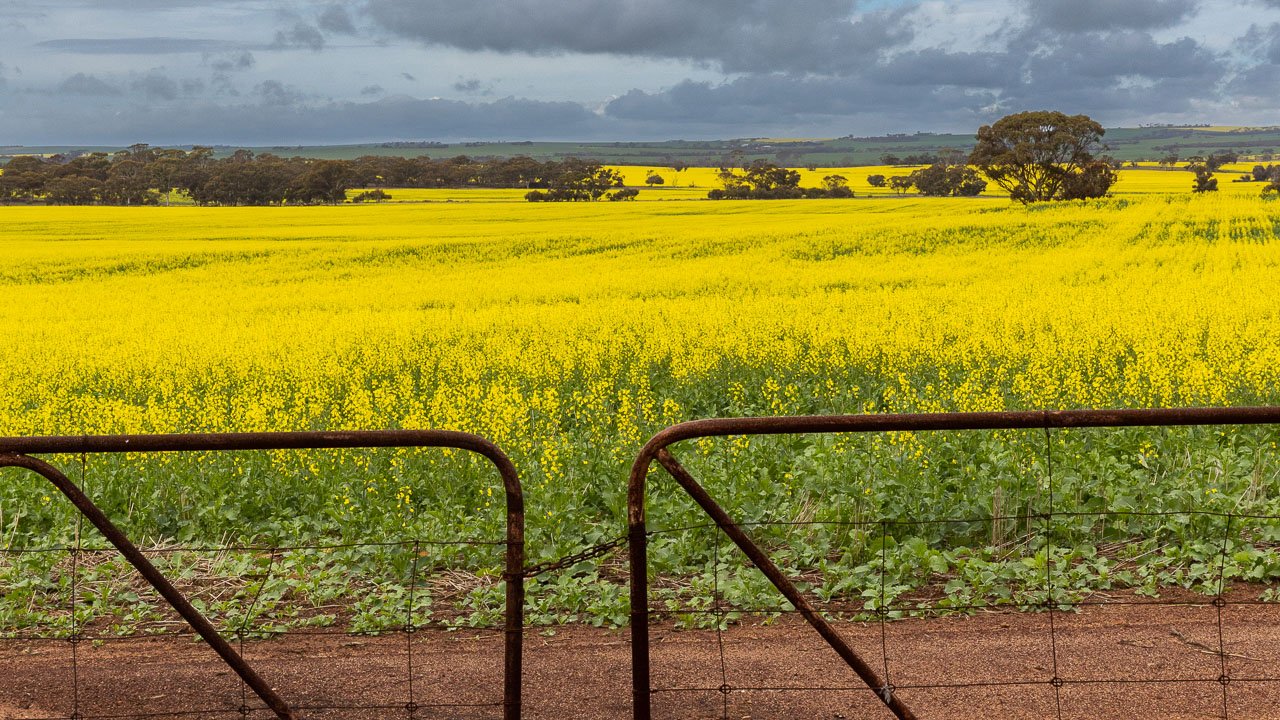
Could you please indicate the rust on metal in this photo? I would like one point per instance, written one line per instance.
(176, 599)
(781, 581)
(655, 450)
(14, 452)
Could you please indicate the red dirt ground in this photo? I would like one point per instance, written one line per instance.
(1117, 661)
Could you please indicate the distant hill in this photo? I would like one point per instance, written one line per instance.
(1143, 143)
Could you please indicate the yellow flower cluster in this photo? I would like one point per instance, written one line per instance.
(568, 333)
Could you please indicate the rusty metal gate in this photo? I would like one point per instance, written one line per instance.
(18, 452)
(658, 449)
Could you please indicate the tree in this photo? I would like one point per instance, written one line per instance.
(376, 195)
(24, 178)
(1205, 181)
(74, 190)
(1033, 155)
(759, 181)
(875, 180)
(164, 172)
(324, 181)
(654, 179)
(890, 159)
(763, 180)
(835, 182)
(901, 183)
(581, 181)
(128, 183)
(939, 180)
(1215, 161)
(833, 186)
(1093, 181)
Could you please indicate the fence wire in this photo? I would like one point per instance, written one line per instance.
(95, 653)
(113, 649)
(1066, 679)
(414, 674)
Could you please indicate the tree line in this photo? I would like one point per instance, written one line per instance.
(143, 175)
(1034, 156)
(761, 180)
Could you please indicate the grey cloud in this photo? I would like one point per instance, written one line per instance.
(390, 118)
(82, 84)
(148, 4)
(1256, 89)
(1119, 74)
(1085, 15)
(1110, 55)
(472, 86)
(1262, 42)
(335, 19)
(138, 46)
(1092, 73)
(762, 101)
(802, 68)
(276, 93)
(811, 36)
(238, 61)
(222, 85)
(934, 66)
(156, 86)
(301, 35)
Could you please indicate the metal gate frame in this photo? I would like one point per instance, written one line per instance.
(657, 450)
(16, 452)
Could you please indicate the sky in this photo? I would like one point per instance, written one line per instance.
(289, 72)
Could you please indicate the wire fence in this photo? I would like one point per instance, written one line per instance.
(395, 687)
(405, 680)
(1221, 664)
(1207, 622)
(1035, 648)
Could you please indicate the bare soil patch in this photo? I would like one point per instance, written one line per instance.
(1117, 661)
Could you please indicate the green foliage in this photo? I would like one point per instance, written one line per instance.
(765, 181)
(939, 180)
(1205, 181)
(1043, 155)
(579, 181)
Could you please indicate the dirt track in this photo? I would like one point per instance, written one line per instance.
(584, 673)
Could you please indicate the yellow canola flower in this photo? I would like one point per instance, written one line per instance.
(569, 333)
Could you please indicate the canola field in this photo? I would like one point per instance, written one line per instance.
(569, 334)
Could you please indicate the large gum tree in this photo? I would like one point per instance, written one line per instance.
(1044, 155)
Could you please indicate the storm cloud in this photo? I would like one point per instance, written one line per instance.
(289, 123)
(301, 35)
(334, 19)
(82, 84)
(1084, 15)
(310, 71)
(737, 35)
